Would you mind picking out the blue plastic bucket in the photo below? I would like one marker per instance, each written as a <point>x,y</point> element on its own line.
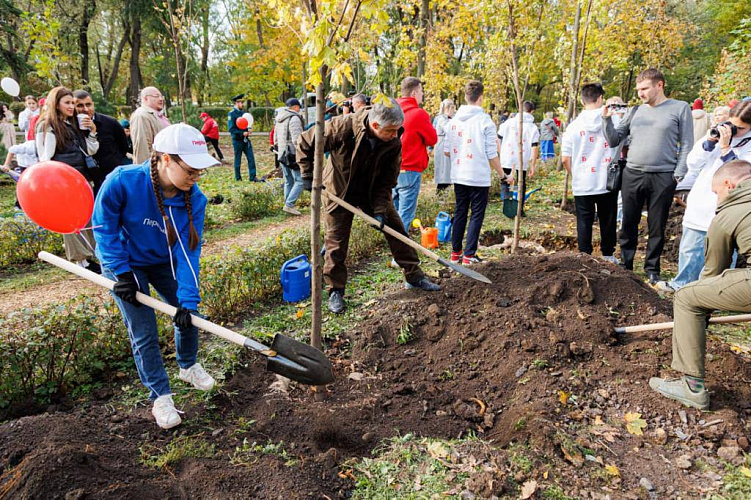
<point>295,277</point>
<point>443,224</point>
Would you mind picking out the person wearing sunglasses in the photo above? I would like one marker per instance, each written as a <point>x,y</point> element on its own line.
<point>148,224</point>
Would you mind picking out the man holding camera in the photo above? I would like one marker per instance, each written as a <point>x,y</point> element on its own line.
<point>659,128</point>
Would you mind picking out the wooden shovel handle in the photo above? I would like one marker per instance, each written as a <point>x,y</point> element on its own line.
<point>156,304</point>
<point>386,229</point>
<point>739,318</point>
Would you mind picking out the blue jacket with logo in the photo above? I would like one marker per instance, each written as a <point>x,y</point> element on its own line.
<point>130,232</point>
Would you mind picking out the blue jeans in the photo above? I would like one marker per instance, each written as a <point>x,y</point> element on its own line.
<point>405,196</point>
<point>690,257</point>
<point>241,147</point>
<point>142,329</point>
<point>292,185</point>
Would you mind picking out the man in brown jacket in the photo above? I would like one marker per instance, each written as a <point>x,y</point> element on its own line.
<point>146,122</point>
<point>362,169</point>
<point>719,288</point>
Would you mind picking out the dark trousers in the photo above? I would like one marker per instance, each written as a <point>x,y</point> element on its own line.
<point>468,197</point>
<point>606,205</point>
<point>656,189</point>
<point>506,189</point>
<point>241,147</point>
<point>215,143</point>
<point>338,229</point>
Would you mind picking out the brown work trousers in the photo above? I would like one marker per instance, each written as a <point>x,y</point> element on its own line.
<point>730,291</point>
<point>338,229</point>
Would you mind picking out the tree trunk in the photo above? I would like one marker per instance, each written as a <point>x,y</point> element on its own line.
<point>305,93</point>
<point>205,41</point>
<point>315,215</point>
<point>89,10</point>
<point>135,54</point>
<point>112,75</point>
<point>179,59</point>
<point>571,106</point>
<point>424,24</point>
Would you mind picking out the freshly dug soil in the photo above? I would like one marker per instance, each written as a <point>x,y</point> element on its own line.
<point>529,359</point>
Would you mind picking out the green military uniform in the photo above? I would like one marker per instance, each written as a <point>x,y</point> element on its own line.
<point>719,288</point>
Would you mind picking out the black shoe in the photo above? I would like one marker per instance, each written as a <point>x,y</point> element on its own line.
<point>94,266</point>
<point>653,278</point>
<point>336,301</point>
<point>423,284</point>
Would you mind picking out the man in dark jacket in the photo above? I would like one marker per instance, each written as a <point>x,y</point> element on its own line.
<point>365,154</point>
<point>241,144</point>
<point>113,146</point>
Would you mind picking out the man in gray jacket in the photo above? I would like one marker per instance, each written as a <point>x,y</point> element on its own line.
<point>289,126</point>
<point>661,131</point>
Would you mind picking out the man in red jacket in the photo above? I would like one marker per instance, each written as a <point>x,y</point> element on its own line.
<point>210,131</point>
<point>418,135</point>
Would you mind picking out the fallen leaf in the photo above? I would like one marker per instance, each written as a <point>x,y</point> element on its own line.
<point>573,456</point>
<point>437,450</point>
<point>612,470</point>
<point>635,424</point>
<point>528,489</point>
<point>598,420</point>
<point>356,376</point>
<point>300,313</point>
<point>563,397</point>
<point>745,471</point>
<point>545,475</point>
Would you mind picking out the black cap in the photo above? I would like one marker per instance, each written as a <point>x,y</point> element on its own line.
<point>292,102</point>
<point>238,97</point>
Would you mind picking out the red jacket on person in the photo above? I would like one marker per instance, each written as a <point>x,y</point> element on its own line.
<point>210,129</point>
<point>418,135</point>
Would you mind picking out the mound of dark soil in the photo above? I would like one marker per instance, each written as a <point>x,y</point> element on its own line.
<point>529,359</point>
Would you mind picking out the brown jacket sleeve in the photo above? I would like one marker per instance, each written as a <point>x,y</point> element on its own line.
<point>306,152</point>
<point>142,134</point>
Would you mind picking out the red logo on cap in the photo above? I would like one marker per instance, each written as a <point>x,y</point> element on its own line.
<point>199,143</point>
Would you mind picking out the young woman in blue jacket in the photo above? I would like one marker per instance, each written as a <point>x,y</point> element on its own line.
<point>148,222</point>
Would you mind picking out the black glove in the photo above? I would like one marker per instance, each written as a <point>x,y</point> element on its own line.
<point>182,318</point>
<point>126,288</point>
<point>307,184</point>
<point>381,221</point>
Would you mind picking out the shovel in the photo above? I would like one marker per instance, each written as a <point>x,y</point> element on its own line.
<point>739,318</point>
<point>399,236</point>
<point>287,357</point>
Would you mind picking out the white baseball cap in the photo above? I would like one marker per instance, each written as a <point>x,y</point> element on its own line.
<point>187,142</point>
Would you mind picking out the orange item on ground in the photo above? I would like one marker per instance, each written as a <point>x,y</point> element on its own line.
<point>429,238</point>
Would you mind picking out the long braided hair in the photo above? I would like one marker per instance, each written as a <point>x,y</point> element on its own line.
<point>171,235</point>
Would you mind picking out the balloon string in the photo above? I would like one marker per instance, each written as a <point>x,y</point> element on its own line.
<point>89,228</point>
<point>83,238</point>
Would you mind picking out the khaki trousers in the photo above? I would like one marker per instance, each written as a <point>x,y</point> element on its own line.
<point>80,246</point>
<point>338,229</point>
<point>730,291</point>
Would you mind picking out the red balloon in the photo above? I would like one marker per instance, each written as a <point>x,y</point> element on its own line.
<point>56,196</point>
<point>242,123</point>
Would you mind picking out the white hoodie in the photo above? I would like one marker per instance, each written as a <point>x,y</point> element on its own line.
<point>509,132</point>
<point>590,153</point>
<point>470,140</point>
<point>701,203</point>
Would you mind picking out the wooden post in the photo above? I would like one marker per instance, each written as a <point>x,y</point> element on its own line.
<point>315,217</point>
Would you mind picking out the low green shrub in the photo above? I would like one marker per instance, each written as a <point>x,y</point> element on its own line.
<point>21,240</point>
<point>50,349</point>
<point>258,200</point>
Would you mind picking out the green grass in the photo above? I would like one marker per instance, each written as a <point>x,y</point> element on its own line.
<point>7,196</point>
<point>176,450</point>
<point>24,277</point>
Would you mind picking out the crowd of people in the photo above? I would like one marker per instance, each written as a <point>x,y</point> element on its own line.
<point>147,224</point>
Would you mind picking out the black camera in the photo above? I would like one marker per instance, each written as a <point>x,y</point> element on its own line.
<point>617,107</point>
<point>715,134</point>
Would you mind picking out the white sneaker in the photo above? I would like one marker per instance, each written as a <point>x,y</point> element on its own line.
<point>611,258</point>
<point>664,286</point>
<point>165,413</point>
<point>291,210</point>
<point>197,376</point>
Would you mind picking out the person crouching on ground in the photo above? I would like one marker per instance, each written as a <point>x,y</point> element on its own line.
<point>149,224</point>
<point>363,166</point>
<point>720,288</point>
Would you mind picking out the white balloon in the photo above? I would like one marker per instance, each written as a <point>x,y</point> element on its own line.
<point>249,117</point>
<point>10,86</point>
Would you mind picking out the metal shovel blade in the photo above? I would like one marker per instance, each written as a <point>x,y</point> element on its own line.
<point>300,362</point>
<point>469,273</point>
